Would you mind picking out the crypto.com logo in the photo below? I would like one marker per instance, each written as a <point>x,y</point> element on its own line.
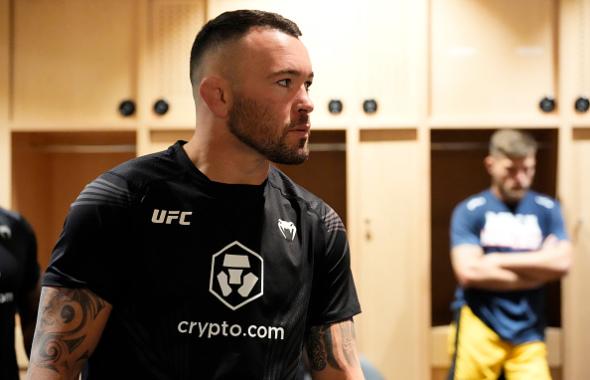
<point>236,275</point>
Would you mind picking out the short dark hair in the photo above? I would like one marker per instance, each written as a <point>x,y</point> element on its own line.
<point>512,143</point>
<point>233,25</point>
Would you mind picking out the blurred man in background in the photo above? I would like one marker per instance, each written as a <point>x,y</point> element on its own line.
<point>507,242</point>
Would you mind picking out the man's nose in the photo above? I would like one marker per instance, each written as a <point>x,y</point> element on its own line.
<point>521,177</point>
<point>304,102</point>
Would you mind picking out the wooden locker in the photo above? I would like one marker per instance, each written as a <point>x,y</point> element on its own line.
<point>391,271</point>
<point>491,60</point>
<point>74,63</point>
<point>50,169</point>
<point>171,27</point>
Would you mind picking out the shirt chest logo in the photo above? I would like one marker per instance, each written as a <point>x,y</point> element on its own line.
<point>237,275</point>
<point>5,232</point>
<point>171,217</point>
<point>288,229</point>
<point>504,229</point>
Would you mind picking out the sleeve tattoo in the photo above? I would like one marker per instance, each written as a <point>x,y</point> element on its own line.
<point>61,327</point>
<point>333,345</point>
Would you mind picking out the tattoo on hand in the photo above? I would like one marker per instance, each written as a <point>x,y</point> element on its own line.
<point>69,310</point>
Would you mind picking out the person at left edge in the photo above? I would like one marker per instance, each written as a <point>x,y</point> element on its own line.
<point>204,261</point>
<point>19,288</point>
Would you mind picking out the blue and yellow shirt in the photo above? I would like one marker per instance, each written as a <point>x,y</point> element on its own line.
<point>484,220</point>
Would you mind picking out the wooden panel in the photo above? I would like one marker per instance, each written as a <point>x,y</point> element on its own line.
<point>161,140</point>
<point>74,61</point>
<point>50,170</point>
<point>390,60</point>
<point>4,103</point>
<point>172,28</point>
<point>577,317</point>
<point>4,61</point>
<point>574,44</point>
<point>497,59</point>
<point>389,274</point>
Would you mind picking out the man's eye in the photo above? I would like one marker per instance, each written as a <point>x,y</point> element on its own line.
<point>284,83</point>
<point>308,85</point>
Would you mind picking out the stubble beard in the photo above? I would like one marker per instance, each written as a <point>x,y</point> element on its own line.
<point>251,123</point>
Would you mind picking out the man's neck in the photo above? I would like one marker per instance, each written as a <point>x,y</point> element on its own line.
<point>226,161</point>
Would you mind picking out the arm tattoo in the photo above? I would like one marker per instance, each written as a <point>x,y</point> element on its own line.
<point>322,346</point>
<point>61,325</point>
<point>348,342</point>
<point>319,348</point>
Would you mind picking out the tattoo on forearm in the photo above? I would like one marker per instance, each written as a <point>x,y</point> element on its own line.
<point>315,350</point>
<point>321,347</point>
<point>69,311</point>
<point>348,343</point>
<point>329,344</point>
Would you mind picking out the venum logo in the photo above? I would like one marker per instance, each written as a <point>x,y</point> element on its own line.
<point>5,232</point>
<point>236,275</point>
<point>164,216</point>
<point>288,229</point>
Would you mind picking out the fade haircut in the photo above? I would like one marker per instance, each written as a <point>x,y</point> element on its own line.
<point>230,26</point>
<point>512,143</point>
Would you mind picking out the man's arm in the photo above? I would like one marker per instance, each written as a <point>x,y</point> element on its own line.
<point>476,270</point>
<point>332,353</point>
<point>550,263</point>
<point>27,311</point>
<point>69,326</point>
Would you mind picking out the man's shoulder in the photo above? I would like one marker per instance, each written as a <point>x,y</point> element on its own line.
<point>126,183</point>
<point>9,216</point>
<point>148,168</point>
<point>290,190</point>
<point>474,203</point>
<point>543,200</point>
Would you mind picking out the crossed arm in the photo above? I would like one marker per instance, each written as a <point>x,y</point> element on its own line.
<point>69,326</point>
<point>331,351</point>
<point>514,271</point>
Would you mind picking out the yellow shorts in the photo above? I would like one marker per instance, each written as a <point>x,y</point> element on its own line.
<point>478,353</point>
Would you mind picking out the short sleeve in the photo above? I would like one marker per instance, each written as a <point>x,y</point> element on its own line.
<point>93,247</point>
<point>334,296</point>
<point>464,228</point>
<point>557,225</point>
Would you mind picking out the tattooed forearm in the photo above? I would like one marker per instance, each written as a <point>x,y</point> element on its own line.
<point>320,348</point>
<point>333,345</point>
<point>62,328</point>
<point>348,343</point>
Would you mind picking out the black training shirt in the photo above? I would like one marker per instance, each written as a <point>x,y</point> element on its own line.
<point>207,280</point>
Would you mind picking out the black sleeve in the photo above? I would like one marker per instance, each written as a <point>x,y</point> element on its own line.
<point>334,296</point>
<point>93,248</point>
<point>31,270</point>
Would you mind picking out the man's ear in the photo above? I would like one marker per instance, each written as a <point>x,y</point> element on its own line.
<point>488,161</point>
<point>215,92</point>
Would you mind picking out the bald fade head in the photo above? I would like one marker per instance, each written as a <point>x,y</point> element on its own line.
<point>229,27</point>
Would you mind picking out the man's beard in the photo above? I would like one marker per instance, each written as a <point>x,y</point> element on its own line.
<point>253,125</point>
<point>513,196</point>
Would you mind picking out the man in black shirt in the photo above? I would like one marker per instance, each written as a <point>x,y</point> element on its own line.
<point>204,261</point>
<point>19,287</point>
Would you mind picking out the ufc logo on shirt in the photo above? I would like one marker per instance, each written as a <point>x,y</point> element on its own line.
<point>168,217</point>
